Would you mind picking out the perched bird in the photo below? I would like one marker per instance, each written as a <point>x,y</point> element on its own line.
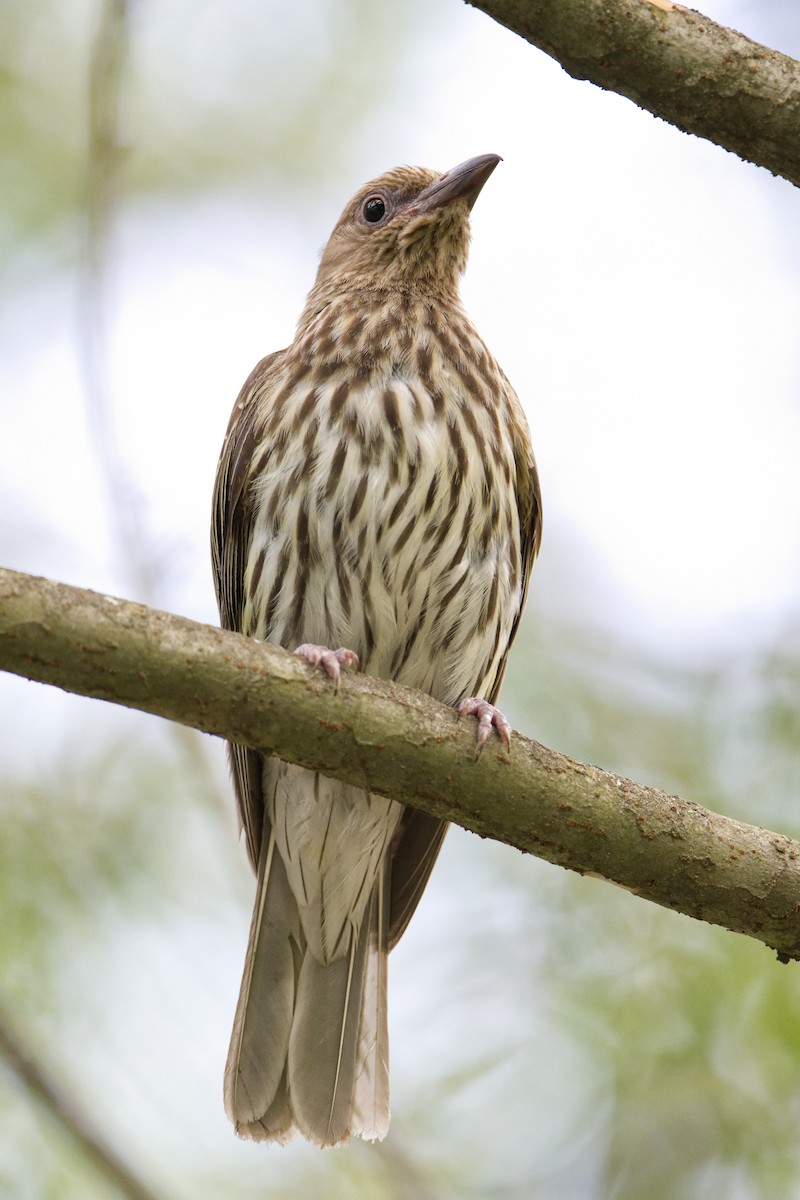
<point>377,492</point>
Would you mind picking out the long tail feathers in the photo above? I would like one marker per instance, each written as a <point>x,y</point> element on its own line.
<point>371,1094</point>
<point>309,1049</point>
<point>255,1091</point>
<point>323,1045</point>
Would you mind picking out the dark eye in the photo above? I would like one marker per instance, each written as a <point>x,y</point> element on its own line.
<point>374,209</point>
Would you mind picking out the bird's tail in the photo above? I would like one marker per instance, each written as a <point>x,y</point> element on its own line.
<point>310,1045</point>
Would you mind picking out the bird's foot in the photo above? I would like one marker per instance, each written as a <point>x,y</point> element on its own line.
<point>489,718</point>
<point>331,661</point>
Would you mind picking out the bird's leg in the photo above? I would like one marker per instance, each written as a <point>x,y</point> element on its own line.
<point>489,717</point>
<point>331,661</point>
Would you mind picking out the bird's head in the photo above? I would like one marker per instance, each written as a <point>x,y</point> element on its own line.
<point>408,228</point>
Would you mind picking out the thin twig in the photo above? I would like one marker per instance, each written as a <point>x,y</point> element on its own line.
<point>105,158</point>
<point>132,542</point>
<point>63,1109</point>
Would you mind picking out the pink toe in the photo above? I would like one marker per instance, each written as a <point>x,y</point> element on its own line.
<point>489,718</point>
<point>331,661</point>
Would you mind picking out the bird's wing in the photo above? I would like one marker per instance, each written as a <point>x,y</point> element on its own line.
<point>417,843</point>
<point>231,532</point>
<point>529,505</point>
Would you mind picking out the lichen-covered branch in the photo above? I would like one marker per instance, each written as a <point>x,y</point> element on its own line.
<point>405,745</point>
<point>678,64</point>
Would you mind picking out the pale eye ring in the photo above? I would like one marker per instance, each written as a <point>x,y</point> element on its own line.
<point>374,209</point>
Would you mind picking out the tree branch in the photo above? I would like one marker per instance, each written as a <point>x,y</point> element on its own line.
<point>403,744</point>
<point>676,63</point>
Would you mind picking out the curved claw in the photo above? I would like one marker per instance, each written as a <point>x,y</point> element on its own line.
<point>332,661</point>
<point>489,718</point>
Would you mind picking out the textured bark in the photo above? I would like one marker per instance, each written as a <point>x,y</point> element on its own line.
<point>405,745</point>
<point>673,61</point>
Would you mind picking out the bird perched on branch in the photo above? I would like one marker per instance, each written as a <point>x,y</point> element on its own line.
<point>376,492</point>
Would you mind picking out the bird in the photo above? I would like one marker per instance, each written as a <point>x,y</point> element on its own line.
<point>376,504</point>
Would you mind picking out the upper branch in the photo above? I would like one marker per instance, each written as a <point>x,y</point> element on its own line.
<point>403,744</point>
<point>676,63</point>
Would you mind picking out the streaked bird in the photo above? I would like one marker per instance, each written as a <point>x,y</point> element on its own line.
<point>376,492</point>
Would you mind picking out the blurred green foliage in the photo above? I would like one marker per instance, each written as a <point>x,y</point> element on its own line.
<point>212,95</point>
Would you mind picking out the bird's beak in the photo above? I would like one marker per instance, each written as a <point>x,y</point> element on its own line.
<point>464,182</point>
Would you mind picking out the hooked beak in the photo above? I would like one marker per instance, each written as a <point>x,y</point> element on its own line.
<point>463,182</point>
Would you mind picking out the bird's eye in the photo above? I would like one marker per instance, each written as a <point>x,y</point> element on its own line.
<point>374,209</point>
